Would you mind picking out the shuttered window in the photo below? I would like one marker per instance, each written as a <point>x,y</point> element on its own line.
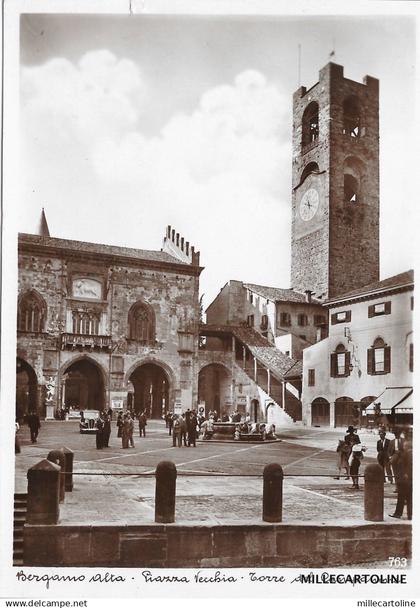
<point>379,358</point>
<point>311,377</point>
<point>383,308</point>
<point>341,317</point>
<point>285,319</point>
<point>340,362</point>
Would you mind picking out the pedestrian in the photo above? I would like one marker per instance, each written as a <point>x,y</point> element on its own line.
<point>142,424</point>
<point>130,430</point>
<point>17,444</point>
<point>107,429</point>
<point>176,435</point>
<point>384,449</point>
<point>34,425</point>
<point>192,430</point>
<point>99,426</point>
<point>343,451</point>
<point>405,482</point>
<point>183,430</point>
<point>119,424</point>
<point>170,422</point>
<point>356,458</point>
<point>125,431</point>
<point>110,413</point>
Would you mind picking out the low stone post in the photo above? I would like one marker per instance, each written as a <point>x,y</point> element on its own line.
<point>165,492</point>
<point>68,468</point>
<point>374,493</point>
<point>57,456</point>
<point>273,493</point>
<point>43,493</point>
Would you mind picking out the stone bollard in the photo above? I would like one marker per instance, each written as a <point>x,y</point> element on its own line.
<point>273,493</point>
<point>165,492</point>
<point>374,493</point>
<point>57,456</point>
<point>68,467</point>
<point>43,493</point>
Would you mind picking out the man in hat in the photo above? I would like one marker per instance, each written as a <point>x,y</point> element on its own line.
<point>384,448</point>
<point>351,437</point>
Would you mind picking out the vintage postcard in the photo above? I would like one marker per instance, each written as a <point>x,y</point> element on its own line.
<point>208,301</point>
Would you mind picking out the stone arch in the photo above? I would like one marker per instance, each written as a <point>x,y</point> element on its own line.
<point>83,384</point>
<point>346,412</point>
<point>153,389</point>
<point>26,388</point>
<point>320,412</point>
<point>352,116</point>
<point>310,124</point>
<point>153,360</point>
<point>311,167</point>
<point>214,379</point>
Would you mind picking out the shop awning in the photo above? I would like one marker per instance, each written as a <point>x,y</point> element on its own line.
<point>394,399</point>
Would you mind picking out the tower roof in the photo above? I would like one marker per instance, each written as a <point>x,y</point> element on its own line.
<point>43,229</point>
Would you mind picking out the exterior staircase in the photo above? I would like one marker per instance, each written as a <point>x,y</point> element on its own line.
<point>19,518</point>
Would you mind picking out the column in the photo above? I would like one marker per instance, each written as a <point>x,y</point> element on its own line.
<point>255,370</point>
<point>243,358</point>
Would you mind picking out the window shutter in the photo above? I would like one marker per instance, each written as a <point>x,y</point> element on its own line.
<point>333,365</point>
<point>371,311</point>
<point>387,308</point>
<point>334,319</point>
<point>387,359</point>
<point>370,360</point>
<point>411,363</point>
<point>348,316</point>
<point>347,364</point>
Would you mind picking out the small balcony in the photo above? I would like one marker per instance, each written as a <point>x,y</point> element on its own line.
<point>83,341</point>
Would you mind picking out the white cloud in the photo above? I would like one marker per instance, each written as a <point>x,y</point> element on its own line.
<point>219,173</point>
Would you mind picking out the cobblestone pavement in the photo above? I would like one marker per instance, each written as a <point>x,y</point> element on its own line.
<point>308,458</point>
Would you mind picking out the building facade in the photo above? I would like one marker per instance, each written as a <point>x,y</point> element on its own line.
<point>369,350</point>
<point>102,326</point>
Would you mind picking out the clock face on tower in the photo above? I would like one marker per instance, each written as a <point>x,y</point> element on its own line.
<point>309,204</point>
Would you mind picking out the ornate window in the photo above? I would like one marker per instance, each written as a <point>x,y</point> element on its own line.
<point>86,322</point>
<point>31,312</point>
<point>379,358</point>
<point>310,124</point>
<point>141,323</point>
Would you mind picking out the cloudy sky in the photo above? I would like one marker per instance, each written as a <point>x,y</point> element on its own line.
<point>132,123</point>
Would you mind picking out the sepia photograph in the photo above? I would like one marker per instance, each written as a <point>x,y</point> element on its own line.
<point>207,310</point>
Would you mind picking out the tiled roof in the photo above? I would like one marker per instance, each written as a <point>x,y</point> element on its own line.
<point>276,294</point>
<point>280,364</point>
<point>398,280</point>
<point>98,248</point>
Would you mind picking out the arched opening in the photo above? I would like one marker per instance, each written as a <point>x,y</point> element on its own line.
<point>83,386</point>
<point>255,408</point>
<point>351,117</point>
<point>320,412</point>
<point>26,389</point>
<point>31,312</point>
<point>141,323</point>
<point>310,124</point>
<point>214,386</point>
<point>346,412</point>
<point>310,168</point>
<point>351,189</point>
<point>151,390</point>
<point>354,171</point>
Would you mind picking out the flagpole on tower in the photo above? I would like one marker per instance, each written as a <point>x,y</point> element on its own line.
<point>332,53</point>
<point>299,62</point>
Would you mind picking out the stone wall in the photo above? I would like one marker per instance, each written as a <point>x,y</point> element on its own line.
<point>207,546</point>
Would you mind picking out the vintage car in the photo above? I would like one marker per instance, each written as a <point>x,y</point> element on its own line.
<point>87,422</point>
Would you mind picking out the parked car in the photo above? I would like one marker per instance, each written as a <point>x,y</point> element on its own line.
<point>87,422</point>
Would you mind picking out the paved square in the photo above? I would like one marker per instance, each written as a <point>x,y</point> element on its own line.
<point>216,482</point>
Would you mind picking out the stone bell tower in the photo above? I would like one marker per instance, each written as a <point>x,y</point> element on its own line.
<point>335,184</point>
